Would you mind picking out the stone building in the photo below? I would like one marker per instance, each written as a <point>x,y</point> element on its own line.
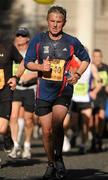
<point>86,19</point>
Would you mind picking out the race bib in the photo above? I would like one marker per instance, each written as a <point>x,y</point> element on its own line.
<point>81,89</point>
<point>104,76</point>
<point>2,79</point>
<point>15,68</point>
<point>57,70</point>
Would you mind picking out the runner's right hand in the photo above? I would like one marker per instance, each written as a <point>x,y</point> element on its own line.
<point>46,64</point>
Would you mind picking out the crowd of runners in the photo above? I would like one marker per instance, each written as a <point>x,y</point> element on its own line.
<point>50,83</point>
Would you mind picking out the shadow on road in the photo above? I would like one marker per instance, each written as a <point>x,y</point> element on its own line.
<point>76,174</point>
<point>90,174</point>
<point>2,178</point>
<point>21,163</point>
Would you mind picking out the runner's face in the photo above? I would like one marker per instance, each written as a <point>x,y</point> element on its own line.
<point>97,58</point>
<point>21,43</point>
<point>55,23</point>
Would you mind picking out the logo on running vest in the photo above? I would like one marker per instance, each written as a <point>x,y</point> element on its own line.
<point>64,49</point>
<point>46,49</point>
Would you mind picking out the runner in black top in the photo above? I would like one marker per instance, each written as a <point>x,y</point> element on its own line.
<point>100,101</point>
<point>8,54</point>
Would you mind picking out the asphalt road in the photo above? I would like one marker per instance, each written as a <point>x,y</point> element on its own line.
<point>79,167</point>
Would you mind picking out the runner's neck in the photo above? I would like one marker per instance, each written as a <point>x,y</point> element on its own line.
<point>55,38</point>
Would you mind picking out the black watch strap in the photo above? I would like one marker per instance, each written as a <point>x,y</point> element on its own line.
<point>17,78</point>
<point>79,75</point>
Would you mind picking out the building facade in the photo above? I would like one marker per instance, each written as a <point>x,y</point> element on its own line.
<point>86,19</point>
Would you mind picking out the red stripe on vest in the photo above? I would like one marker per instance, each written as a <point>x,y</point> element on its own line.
<point>66,69</point>
<point>38,85</point>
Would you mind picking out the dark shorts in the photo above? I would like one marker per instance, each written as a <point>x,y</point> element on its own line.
<point>79,106</point>
<point>26,97</point>
<point>45,107</point>
<point>99,103</point>
<point>5,102</point>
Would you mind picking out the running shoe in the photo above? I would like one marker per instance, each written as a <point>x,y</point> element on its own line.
<point>50,171</point>
<point>60,169</point>
<point>82,150</point>
<point>8,143</point>
<point>15,153</point>
<point>26,153</point>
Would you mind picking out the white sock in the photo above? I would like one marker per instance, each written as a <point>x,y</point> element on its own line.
<point>21,128</point>
<point>16,145</point>
<point>27,144</point>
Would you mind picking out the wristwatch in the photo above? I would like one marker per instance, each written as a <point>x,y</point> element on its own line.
<point>79,75</point>
<point>17,78</point>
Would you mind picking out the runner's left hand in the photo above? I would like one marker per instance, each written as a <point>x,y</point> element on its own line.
<point>73,79</point>
<point>12,83</point>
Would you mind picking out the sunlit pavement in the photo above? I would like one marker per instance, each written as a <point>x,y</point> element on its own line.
<point>79,167</point>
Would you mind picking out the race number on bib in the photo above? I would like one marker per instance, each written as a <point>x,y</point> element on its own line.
<point>15,68</point>
<point>2,79</point>
<point>57,70</point>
